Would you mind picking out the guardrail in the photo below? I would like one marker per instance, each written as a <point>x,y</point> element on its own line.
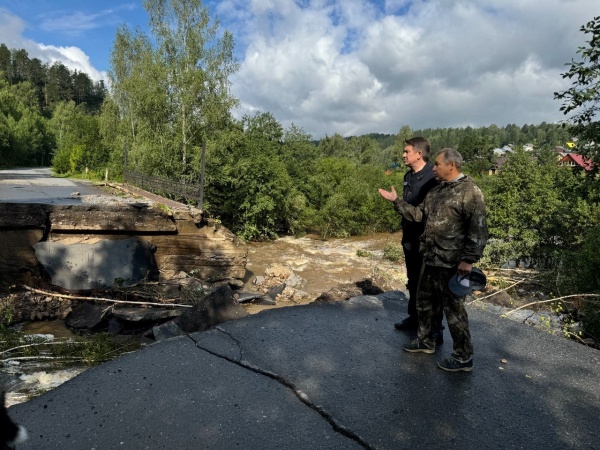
<point>167,188</point>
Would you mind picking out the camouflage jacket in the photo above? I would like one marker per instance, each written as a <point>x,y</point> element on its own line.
<point>455,223</point>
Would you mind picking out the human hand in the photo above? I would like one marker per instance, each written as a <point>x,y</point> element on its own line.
<point>464,268</point>
<point>389,195</point>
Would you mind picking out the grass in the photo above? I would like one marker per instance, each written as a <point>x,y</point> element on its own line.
<point>393,252</point>
<point>89,350</point>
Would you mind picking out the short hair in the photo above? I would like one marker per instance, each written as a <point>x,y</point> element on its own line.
<point>420,144</point>
<point>452,156</point>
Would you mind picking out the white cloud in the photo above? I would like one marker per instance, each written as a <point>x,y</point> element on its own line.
<point>344,66</point>
<point>11,28</point>
<point>361,66</point>
<point>75,23</point>
<point>11,34</point>
<point>72,57</point>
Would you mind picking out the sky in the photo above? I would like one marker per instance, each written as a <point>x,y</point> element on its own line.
<point>351,67</point>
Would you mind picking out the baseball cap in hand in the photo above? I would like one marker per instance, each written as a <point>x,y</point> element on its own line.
<point>462,285</point>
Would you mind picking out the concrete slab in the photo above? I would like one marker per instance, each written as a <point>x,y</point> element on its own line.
<point>328,376</point>
<point>97,265</point>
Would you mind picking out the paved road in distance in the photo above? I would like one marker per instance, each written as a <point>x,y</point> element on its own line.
<point>37,185</point>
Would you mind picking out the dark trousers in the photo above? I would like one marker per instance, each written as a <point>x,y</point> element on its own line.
<point>414,264</point>
<point>434,294</point>
<point>413,260</point>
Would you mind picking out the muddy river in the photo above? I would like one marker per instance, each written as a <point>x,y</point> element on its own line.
<point>324,264</point>
<point>321,264</point>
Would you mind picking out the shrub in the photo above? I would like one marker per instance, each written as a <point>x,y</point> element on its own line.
<point>578,274</point>
<point>393,252</point>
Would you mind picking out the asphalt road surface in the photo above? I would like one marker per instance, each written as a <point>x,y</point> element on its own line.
<point>37,185</point>
<point>328,376</point>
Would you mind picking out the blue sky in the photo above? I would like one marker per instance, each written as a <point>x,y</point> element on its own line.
<point>351,66</point>
<point>89,26</point>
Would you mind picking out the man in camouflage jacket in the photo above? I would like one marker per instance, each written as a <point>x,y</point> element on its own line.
<point>454,238</point>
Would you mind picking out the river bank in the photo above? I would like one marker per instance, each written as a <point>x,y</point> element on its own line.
<point>318,266</point>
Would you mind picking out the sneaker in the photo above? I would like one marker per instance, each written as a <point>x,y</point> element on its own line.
<point>417,346</point>
<point>408,324</point>
<point>453,365</point>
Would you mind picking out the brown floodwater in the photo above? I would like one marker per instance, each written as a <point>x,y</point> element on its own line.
<point>55,327</point>
<point>325,263</point>
<point>322,263</point>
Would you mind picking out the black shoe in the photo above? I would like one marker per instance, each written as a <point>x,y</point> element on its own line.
<point>408,324</point>
<point>453,365</point>
<point>417,346</point>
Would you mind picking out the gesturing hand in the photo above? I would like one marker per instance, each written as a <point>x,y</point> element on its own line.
<point>389,195</point>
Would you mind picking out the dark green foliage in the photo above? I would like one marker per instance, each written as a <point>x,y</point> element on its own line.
<point>536,210</point>
<point>30,93</point>
<point>583,97</point>
<point>343,199</point>
<point>476,144</point>
<point>23,136</point>
<point>51,83</point>
<point>578,274</point>
<point>77,137</point>
<point>393,252</point>
<point>248,187</point>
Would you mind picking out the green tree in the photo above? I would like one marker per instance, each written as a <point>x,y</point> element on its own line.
<point>59,87</point>
<point>83,88</point>
<point>335,146</point>
<point>77,137</point>
<point>299,155</point>
<point>522,207</point>
<point>20,65</point>
<point>578,274</point>
<point>363,149</point>
<point>112,131</point>
<point>248,186</point>
<point>583,97</point>
<point>263,126</point>
<point>536,210</point>
<point>173,89</point>
<point>343,199</point>
<point>5,63</point>
<point>23,136</point>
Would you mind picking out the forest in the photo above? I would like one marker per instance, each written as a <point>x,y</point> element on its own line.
<point>170,94</point>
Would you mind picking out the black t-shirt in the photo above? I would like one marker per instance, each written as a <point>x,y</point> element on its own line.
<point>416,187</point>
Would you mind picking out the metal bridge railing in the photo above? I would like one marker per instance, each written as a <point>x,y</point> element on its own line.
<point>171,189</point>
<point>167,188</point>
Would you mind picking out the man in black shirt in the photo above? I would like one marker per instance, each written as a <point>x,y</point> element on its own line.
<point>417,183</point>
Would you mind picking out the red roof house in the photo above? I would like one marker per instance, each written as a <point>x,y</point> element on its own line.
<point>574,160</point>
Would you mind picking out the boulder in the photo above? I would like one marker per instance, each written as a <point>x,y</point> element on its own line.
<point>166,331</point>
<point>217,307</point>
<point>368,286</point>
<point>273,292</point>
<point>253,297</point>
<point>87,316</point>
<point>295,281</point>
<point>145,314</point>
<point>277,270</point>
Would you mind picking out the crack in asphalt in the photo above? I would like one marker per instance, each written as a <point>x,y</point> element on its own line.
<point>337,427</point>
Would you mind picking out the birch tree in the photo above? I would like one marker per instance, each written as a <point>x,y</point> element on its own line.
<point>173,87</point>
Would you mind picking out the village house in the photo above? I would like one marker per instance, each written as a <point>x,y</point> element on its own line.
<point>575,160</point>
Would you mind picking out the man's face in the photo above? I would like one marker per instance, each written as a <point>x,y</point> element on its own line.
<point>442,170</point>
<point>410,156</point>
